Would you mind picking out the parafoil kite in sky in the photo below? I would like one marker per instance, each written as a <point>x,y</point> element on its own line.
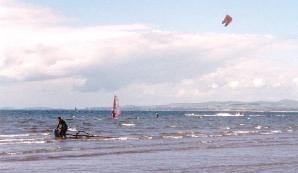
<point>227,20</point>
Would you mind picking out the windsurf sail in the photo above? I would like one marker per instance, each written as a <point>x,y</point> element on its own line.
<point>116,112</point>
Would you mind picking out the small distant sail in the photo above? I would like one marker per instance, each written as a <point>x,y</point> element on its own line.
<point>116,112</point>
<point>227,20</point>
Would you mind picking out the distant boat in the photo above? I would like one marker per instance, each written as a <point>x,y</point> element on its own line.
<point>116,112</point>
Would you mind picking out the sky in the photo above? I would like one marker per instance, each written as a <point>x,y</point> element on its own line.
<point>79,53</point>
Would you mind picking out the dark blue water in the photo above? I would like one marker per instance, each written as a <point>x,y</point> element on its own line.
<point>140,142</point>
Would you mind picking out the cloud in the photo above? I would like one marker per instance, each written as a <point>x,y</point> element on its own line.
<point>258,82</point>
<point>233,84</point>
<point>140,58</point>
<point>14,13</point>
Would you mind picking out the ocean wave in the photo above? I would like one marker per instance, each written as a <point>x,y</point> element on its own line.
<point>14,135</point>
<point>192,115</point>
<point>22,142</point>
<point>229,115</point>
<point>45,134</point>
<point>128,124</point>
<point>197,135</point>
<point>172,137</point>
<point>121,138</point>
<point>223,114</point>
<point>239,132</point>
<point>244,132</point>
<point>147,137</point>
<point>256,115</point>
<point>276,131</point>
<point>270,132</point>
<point>194,136</point>
<point>15,140</point>
<point>282,115</point>
<point>23,135</point>
<point>26,138</point>
<point>175,135</point>
<point>259,127</point>
<point>215,135</point>
<point>124,138</point>
<point>72,129</point>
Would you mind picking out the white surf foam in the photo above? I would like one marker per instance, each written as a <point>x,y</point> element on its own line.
<point>229,115</point>
<point>244,132</point>
<point>21,142</point>
<point>124,138</point>
<point>121,138</point>
<point>223,114</point>
<point>192,115</point>
<point>172,137</point>
<point>128,124</point>
<point>276,131</point>
<point>197,135</point>
<point>258,127</point>
<point>239,132</point>
<point>14,135</point>
<point>72,129</point>
<point>256,115</point>
<point>16,140</point>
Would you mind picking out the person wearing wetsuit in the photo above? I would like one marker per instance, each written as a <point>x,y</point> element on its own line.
<point>62,127</point>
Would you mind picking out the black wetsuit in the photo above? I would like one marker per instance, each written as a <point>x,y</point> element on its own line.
<point>63,128</point>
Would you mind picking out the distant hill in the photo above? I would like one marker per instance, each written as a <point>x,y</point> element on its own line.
<point>283,105</point>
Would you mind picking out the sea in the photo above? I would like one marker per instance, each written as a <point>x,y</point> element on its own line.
<point>141,142</point>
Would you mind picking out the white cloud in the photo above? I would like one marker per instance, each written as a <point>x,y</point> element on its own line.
<point>295,81</point>
<point>15,13</point>
<point>258,82</point>
<point>233,84</point>
<point>214,86</point>
<point>140,60</point>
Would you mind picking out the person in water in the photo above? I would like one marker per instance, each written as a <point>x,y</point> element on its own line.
<point>62,127</point>
<point>157,114</point>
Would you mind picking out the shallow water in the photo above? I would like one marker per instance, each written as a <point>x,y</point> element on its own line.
<point>140,142</point>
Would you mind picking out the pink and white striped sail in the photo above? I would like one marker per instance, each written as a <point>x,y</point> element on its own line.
<point>116,112</point>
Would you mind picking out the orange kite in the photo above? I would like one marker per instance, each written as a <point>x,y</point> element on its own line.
<point>227,20</point>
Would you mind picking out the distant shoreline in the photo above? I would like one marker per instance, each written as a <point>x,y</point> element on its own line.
<point>139,110</point>
<point>228,106</point>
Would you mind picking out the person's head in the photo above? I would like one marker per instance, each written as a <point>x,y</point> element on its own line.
<point>59,118</point>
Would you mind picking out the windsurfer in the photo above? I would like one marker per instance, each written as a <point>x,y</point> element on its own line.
<point>62,127</point>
